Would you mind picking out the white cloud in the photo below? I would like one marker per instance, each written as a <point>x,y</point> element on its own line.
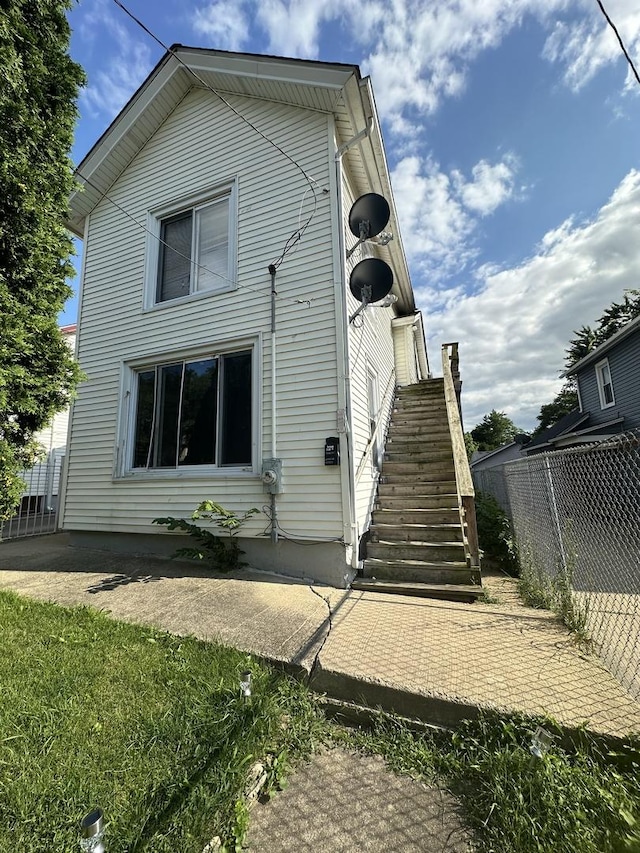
<point>513,331</point>
<point>587,44</point>
<point>108,90</point>
<point>440,212</point>
<point>225,23</point>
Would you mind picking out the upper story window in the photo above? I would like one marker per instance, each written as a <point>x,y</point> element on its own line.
<point>605,386</point>
<point>192,248</point>
<point>193,412</point>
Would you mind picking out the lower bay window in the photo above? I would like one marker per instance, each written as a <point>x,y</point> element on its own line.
<point>193,412</point>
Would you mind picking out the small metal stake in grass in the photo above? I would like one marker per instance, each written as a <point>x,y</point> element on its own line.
<point>245,685</point>
<point>92,832</point>
<point>540,742</point>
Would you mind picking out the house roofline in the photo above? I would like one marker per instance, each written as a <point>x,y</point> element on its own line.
<point>605,346</point>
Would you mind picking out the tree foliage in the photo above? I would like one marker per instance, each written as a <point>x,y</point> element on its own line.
<point>564,402</point>
<point>586,339</point>
<point>494,430</point>
<point>38,88</point>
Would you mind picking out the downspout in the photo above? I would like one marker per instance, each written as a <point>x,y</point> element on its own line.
<point>274,508</point>
<point>345,332</point>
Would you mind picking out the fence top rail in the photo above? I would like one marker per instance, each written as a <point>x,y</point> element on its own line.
<point>631,438</point>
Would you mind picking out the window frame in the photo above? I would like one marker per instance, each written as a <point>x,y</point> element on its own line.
<point>125,450</point>
<point>600,368</point>
<point>156,217</point>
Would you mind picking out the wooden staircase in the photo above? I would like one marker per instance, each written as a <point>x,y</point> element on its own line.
<point>418,537</point>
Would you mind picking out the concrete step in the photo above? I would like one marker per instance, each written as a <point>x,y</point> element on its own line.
<point>416,532</point>
<point>429,552</point>
<point>405,488</point>
<point>466,593</point>
<point>420,515</point>
<point>420,571</point>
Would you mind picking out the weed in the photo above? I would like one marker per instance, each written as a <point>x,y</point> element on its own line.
<point>563,802</point>
<point>494,532</point>
<point>222,553</point>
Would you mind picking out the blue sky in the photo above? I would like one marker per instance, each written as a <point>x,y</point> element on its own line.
<point>511,130</point>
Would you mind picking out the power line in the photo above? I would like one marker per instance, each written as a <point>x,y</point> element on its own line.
<point>152,233</point>
<point>297,235</point>
<point>620,42</point>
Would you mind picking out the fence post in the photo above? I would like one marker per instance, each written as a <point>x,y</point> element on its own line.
<point>554,512</point>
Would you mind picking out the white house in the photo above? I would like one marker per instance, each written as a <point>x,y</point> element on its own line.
<point>214,324</point>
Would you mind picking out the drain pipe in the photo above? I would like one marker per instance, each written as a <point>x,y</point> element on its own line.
<point>274,509</point>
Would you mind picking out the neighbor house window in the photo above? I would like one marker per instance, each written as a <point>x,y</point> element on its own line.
<point>195,248</point>
<point>194,412</point>
<point>605,386</point>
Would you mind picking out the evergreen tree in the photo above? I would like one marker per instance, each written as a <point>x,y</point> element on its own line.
<point>563,403</point>
<point>494,430</point>
<point>38,88</point>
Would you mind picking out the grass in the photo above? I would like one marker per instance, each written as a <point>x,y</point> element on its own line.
<point>585,801</point>
<point>148,726</point>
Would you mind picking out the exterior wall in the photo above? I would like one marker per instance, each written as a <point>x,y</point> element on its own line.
<point>514,451</point>
<point>624,364</point>
<point>201,145</point>
<point>407,372</point>
<point>370,351</point>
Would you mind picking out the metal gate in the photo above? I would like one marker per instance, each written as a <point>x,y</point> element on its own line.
<point>37,512</point>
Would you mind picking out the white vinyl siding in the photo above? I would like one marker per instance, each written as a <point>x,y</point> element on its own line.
<point>370,353</point>
<point>189,154</point>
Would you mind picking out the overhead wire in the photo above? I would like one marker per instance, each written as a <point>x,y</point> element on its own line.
<point>619,37</point>
<point>297,235</point>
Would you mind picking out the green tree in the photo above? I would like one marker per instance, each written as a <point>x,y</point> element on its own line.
<point>586,339</point>
<point>38,89</point>
<point>470,445</point>
<point>563,403</point>
<point>494,430</point>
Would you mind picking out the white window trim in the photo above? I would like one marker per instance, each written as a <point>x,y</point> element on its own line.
<point>154,225</point>
<point>123,469</point>
<point>600,365</point>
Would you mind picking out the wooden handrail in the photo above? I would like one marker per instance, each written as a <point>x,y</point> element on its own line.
<point>464,480</point>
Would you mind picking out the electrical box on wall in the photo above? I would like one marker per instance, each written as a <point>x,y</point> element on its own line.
<point>272,476</point>
<point>332,450</point>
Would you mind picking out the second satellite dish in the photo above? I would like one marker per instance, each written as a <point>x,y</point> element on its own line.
<point>368,215</point>
<point>371,280</point>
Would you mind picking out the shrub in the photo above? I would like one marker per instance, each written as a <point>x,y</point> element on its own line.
<point>494,533</point>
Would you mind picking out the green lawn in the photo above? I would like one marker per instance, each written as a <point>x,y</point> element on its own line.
<point>148,726</point>
<point>151,728</point>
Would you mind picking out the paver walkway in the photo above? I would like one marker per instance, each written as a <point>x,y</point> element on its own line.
<point>351,803</point>
<point>438,661</point>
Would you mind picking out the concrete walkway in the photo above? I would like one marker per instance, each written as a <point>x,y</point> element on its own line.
<point>433,660</point>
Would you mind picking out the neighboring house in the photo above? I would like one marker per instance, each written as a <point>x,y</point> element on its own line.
<point>210,358</point>
<point>43,480</point>
<point>608,383</point>
<point>483,459</point>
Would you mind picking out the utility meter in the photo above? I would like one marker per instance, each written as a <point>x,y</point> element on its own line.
<point>272,476</point>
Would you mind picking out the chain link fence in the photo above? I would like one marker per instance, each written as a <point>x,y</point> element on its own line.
<point>575,515</point>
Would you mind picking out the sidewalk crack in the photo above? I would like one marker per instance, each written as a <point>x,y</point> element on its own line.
<point>316,658</point>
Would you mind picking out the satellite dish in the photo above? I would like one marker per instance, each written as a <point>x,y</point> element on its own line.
<point>368,215</point>
<point>371,280</point>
